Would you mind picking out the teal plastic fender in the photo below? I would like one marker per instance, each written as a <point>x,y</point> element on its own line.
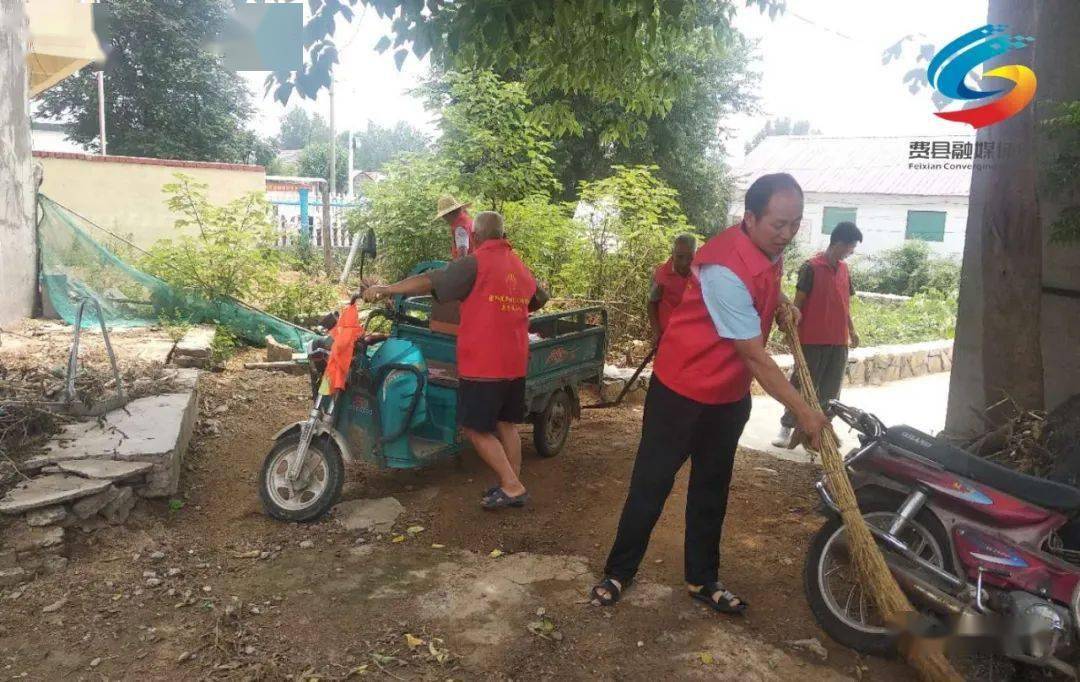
<point>401,372</point>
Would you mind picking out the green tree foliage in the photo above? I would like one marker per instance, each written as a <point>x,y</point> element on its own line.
<point>499,151</point>
<point>781,126</point>
<point>400,209</point>
<point>377,145</point>
<point>227,251</point>
<point>314,161</point>
<point>906,271</point>
<point>684,142</point>
<point>299,129</point>
<point>598,48</point>
<point>166,95</point>
<point>631,220</point>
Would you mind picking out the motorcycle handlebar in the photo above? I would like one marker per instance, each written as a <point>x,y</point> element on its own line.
<point>861,421</point>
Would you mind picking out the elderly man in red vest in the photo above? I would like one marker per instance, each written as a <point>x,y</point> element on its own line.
<point>669,283</point>
<point>699,396</point>
<point>497,293</point>
<point>823,295</point>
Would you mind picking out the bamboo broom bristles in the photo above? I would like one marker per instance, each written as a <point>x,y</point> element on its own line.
<point>870,567</point>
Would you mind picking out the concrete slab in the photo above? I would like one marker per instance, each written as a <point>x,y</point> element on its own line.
<point>104,468</point>
<point>156,429</point>
<point>919,402</point>
<point>45,491</point>
<point>193,350</point>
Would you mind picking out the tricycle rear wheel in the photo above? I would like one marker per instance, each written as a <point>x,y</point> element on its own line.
<point>317,487</point>
<point>551,428</point>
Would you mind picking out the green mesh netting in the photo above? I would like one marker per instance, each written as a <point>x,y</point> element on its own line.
<point>75,266</point>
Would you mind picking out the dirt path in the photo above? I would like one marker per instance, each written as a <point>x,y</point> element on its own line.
<point>217,590</point>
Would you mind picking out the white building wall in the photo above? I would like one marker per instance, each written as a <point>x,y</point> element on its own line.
<point>882,218</point>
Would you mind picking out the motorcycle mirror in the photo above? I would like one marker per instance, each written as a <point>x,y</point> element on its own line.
<point>367,246</point>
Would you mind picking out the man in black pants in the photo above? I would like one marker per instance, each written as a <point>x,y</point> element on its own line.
<point>699,397</point>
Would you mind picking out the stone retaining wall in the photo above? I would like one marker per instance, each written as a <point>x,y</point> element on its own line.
<point>878,364</point>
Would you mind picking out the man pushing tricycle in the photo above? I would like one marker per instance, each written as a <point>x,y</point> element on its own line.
<point>404,400</point>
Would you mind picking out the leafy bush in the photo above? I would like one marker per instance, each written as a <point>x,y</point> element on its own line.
<point>546,237</point>
<point>631,220</point>
<point>222,346</point>
<point>400,210</point>
<point>926,317</point>
<point>232,255</point>
<point>906,270</point>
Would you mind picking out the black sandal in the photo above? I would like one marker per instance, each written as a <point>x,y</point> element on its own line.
<point>498,499</point>
<point>727,603</point>
<point>614,592</point>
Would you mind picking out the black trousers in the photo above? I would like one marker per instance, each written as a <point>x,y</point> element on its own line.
<point>673,429</point>
<point>827,365</point>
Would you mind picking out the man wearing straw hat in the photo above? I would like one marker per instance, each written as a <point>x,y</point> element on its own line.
<point>462,238</point>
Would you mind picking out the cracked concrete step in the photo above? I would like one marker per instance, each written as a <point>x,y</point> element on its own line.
<point>105,468</point>
<point>193,350</point>
<point>46,491</point>
<point>155,429</point>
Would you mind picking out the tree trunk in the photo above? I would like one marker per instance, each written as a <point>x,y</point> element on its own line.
<point>998,331</point>
<point>1057,66</point>
<point>17,248</point>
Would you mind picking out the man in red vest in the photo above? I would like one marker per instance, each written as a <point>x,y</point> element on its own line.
<point>699,396</point>
<point>669,283</point>
<point>462,233</point>
<point>497,293</point>
<point>823,295</point>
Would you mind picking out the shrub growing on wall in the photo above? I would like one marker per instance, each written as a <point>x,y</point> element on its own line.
<point>230,253</point>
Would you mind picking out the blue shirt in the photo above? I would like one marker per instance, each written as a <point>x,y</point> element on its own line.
<point>729,303</point>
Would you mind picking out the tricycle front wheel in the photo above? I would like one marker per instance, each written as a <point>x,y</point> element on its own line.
<point>551,427</point>
<point>315,489</point>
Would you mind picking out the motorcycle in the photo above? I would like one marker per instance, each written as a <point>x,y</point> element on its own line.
<point>987,555</point>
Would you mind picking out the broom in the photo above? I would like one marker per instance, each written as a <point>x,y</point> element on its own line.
<point>875,577</point>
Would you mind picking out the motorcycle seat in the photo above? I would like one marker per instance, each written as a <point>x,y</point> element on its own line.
<point>1040,491</point>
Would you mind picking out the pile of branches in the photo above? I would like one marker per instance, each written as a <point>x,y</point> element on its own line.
<point>1032,441</point>
<point>32,395</point>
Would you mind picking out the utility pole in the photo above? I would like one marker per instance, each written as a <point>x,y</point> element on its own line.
<point>328,254</point>
<point>349,190</point>
<point>101,108</point>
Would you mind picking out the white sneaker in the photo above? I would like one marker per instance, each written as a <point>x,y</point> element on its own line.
<point>783,439</point>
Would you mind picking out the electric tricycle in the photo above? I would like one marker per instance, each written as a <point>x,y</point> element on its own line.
<point>398,409</point>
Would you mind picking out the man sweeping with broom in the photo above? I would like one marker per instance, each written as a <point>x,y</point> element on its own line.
<point>699,397</point>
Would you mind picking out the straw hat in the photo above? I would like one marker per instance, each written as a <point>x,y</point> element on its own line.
<point>448,204</point>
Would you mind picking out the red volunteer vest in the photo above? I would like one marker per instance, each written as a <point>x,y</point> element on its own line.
<point>825,311</point>
<point>493,339</point>
<point>464,221</point>
<point>672,287</point>
<point>693,360</point>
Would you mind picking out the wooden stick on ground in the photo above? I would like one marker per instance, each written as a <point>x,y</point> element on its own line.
<point>870,567</point>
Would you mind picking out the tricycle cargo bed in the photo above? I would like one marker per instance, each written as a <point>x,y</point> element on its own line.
<point>565,348</point>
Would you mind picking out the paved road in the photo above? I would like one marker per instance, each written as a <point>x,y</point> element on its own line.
<point>918,402</point>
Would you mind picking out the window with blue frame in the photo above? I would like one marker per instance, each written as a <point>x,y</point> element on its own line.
<point>928,226</point>
<point>834,215</point>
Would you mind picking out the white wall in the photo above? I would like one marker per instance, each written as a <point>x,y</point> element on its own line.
<point>882,218</point>
<point>16,183</point>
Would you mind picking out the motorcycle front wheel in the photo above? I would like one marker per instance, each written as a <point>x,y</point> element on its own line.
<point>839,604</point>
<point>315,489</point>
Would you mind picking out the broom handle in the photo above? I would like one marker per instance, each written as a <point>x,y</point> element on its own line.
<point>874,575</point>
